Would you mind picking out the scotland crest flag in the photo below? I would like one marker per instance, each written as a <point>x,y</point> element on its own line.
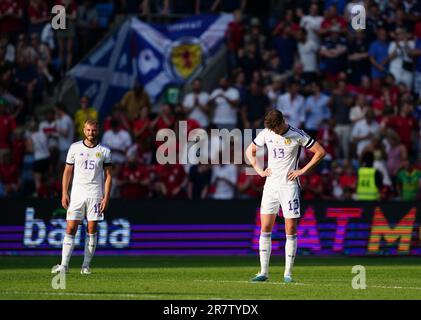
<point>152,54</point>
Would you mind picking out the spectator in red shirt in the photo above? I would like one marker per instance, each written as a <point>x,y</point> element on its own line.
<point>317,186</point>
<point>348,181</point>
<point>417,29</point>
<point>390,84</point>
<point>365,88</point>
<point>7,125</point>
<point>10,175</point>
<point>388,98</point>
<point>174,179</point>
<point>328,139</point>
<point>133,180</point>
<point>157,186</point>
<point>119,114</point>
<point>19,146</point>
<point>405,125</point>
<point>312,186</point>
<point>235,32</point>
<point>141,125</point>
<point>142,151</point>
<point>327,185</point>
<point>11,17</point>
<point>50,187</point>
<point>249,186</point>
<point>234,35</point>
<point>164,120</point>
<point>180,115</point>
<point>333,19</point>
<point>39,15</point>
<point>288,25</point>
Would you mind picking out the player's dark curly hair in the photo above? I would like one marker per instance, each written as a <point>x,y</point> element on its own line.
<point>274,120</point>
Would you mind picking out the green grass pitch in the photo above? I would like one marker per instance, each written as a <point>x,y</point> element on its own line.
<point>210,278</point>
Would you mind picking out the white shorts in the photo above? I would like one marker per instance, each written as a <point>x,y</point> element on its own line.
<point>288,198</point>
<point>81,207</point>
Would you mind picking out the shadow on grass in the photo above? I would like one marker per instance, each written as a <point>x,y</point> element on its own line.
<point>10,262</point>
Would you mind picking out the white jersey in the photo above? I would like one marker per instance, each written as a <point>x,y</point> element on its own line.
<point>40,145</point>
<point>197,114</point>
<point>283,153</point>
<point>88,173</point>
<point>224,113</point>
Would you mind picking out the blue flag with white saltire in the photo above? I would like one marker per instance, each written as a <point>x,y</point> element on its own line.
<point>154,55</point>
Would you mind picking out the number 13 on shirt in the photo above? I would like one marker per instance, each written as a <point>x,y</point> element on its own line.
<point>278,153</point>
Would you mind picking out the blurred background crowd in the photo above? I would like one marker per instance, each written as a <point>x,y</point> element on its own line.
<point>357,92</point>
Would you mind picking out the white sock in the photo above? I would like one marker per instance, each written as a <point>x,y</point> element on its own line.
<point>290,251</point>
<point>68,245</point>
<point>265,247</point>
<point>90,245</point>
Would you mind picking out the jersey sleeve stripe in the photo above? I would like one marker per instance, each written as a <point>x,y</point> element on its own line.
<point>254,141</point>
<point>297,131</point>
<point>310,143</point>
<point>70,164</point>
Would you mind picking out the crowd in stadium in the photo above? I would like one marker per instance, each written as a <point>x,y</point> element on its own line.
<point>357,92</point>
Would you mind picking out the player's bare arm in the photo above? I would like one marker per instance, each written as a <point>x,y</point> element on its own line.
<point>107,188</point>
<point>251,156</point>
<point>319,154</point>
<point>67,176</point>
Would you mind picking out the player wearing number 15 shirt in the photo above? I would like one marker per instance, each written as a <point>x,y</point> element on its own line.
<point>90,164</point>
<point>282,188</point>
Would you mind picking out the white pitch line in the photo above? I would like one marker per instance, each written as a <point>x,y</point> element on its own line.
<point>134,295</point>
<point>84,294</point>
<point>306,284</point>
<point>396,287</point>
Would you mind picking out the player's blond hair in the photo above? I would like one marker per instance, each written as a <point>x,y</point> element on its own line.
<point>91,122</point>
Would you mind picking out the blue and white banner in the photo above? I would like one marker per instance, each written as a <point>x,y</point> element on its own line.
<point>154,55</point>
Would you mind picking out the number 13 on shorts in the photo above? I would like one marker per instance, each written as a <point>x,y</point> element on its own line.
<point>97,207</point>
<point>293,204</point>
<point>293,209</point>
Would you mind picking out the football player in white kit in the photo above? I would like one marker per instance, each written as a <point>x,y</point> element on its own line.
<point>282,186</point>
<point>90,164</point>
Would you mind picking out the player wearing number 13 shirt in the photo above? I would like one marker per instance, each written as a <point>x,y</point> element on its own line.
<point>282,188</point>
<point>90,164</point>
